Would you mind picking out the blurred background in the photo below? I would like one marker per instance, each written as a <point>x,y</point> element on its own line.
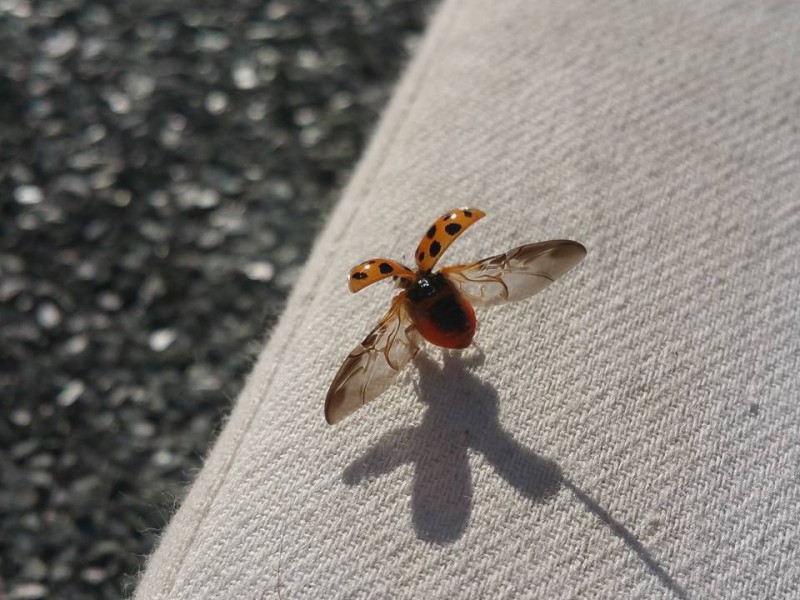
<point>164,168</point>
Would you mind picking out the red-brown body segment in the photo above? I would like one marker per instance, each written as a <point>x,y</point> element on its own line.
<point>440,313</point>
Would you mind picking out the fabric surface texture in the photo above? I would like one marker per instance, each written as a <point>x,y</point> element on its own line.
<point>630,432</point>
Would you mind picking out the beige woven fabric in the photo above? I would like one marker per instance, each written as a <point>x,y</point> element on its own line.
<point>634,430</point>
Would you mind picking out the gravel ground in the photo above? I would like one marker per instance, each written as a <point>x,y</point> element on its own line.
<point>164,167</point>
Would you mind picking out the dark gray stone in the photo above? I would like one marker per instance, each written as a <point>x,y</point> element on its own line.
<point>164,168</point>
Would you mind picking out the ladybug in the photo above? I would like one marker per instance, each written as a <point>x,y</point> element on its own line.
<point>438,306</point>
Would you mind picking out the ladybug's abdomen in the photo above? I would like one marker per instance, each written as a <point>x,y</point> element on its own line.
<point>441,314</point>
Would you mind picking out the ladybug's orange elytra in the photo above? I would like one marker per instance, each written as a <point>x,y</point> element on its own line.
<point>443,233</point>
<point>376,269</point>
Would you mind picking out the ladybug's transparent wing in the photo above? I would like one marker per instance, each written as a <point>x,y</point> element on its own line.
<point>517,274</point>
<point>373,365</point>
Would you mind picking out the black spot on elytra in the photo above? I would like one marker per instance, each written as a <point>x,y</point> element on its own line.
<point>359,275</point>
<point>435,248</point>
<point>385,268</point>
<point>452,228</point>
<point>467,213</point>
<point>421,256</point>
<point>431,232</point>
